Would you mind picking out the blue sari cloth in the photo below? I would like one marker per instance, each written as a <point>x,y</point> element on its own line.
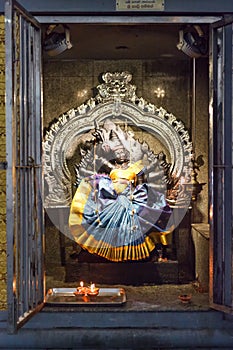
<point>112,218</point>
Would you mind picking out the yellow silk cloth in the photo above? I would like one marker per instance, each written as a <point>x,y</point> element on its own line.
<point>78,203</point>
<point>119,176</point>
<point>110,252</point>
<point>129,174</point>
<point>160,237</point>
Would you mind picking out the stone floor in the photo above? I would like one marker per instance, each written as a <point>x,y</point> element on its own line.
<point>164,297</point>
<point>153,297</point>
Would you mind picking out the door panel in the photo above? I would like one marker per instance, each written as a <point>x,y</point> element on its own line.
<point>221,167</point>
<point>24,151</point>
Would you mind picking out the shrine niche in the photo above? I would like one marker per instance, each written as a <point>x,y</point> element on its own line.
<point>114,130</point>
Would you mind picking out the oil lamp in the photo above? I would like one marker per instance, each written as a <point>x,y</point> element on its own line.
<point>93,290</point>
<point>82,290</point>
<point>185,298</point>
<point>193,186</point>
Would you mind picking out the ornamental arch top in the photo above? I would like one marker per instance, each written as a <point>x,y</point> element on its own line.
<point>116,100</point>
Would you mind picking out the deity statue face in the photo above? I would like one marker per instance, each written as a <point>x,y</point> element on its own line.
<point>121,155</point>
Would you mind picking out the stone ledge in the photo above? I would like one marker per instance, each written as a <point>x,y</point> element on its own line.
<point>116,331</point>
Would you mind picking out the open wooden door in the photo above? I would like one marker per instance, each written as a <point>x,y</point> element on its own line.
<point>221,187</point>
<point>24,152</point>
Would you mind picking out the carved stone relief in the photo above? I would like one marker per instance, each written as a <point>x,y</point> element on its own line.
<point>116,100</point>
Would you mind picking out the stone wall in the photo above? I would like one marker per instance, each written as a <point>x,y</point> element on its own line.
<point>2,172</point>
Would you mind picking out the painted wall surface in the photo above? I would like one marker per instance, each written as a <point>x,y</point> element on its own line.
<point>2,172</point>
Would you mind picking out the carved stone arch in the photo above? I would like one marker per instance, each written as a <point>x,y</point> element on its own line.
<point>116,99</point>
